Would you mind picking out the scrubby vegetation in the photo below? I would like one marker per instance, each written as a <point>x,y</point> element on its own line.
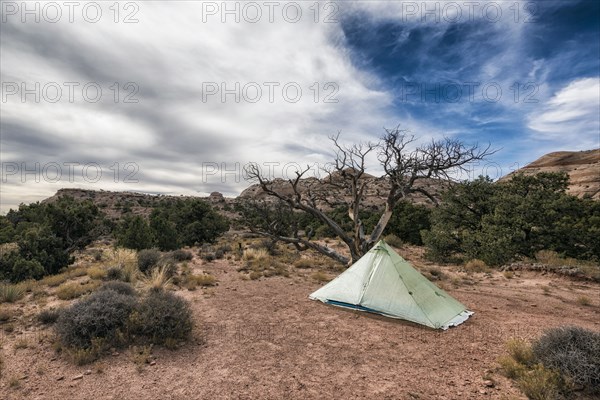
<point>40,239</point>
<point>46,235</point>
<point>497,222</point>
<point>174,223</point>
<point>561,361</point>
<point>115,316</point>
<point>162,318</point>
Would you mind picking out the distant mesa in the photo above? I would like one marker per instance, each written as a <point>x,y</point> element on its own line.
<point>583,168</point>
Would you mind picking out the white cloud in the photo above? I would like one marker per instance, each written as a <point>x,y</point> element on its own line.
<point>170,54</point>
<point>571,117</point>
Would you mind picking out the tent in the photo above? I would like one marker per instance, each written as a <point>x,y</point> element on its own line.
<point>383,282</point>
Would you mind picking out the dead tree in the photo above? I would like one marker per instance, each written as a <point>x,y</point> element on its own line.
<point>404,166</point>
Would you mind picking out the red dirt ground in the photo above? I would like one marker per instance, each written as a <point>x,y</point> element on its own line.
<point>264,339</point>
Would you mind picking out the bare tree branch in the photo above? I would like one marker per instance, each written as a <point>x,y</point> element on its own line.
<point>405,164</point>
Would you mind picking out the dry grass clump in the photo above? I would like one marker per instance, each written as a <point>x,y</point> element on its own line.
<point>320,277</point>
<point>75,271</point>
<point>55,280</point>
<point>5,314</point>
<point>254,275</point>
<point>159,278</point>
<point>49,316</point>
<point>520,351</point>
<point>96,273</point>
<point>192,281</point>
<point>10,293</point>
<point>141,355</point>
<point>252,254</point>
<point>476,265</point>
<point>126,261</point>
<point>260,263</point>
<point>584,300</point>
<point>73,290</point>
<point>554,259</point>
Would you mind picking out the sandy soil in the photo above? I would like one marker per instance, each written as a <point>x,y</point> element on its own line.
<point>265,339</point>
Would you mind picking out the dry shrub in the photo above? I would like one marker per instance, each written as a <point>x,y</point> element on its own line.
<point>147,259</point>
<point>573,351</point>
<point>552,258</point>
<point>103,315</point>
<point>5,314</point>
<point>476,265</point>
<point>303,263</point>
<point>436,274</point>
<point>181,255</point>
<point>162,317</point>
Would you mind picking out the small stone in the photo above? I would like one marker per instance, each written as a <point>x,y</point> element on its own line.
<point>76,378</point>
<point>533,305</point>
<point>116,353</point>
<point>482,391</point>
<point>488,383</point>
<point>88,372</point>
<point>152,362</point>
<point>24,377</point>
<point>53,359</point>
<point>60,378</point>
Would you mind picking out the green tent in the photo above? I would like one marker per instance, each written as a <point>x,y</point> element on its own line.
<point>383,282</point>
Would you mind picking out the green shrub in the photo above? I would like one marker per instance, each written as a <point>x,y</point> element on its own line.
<point>573,351</point>
<point>147,259</point>
<point>49,316</point>
<point>119,287</point>
<point>103,315</point>
<point>162,317</point>
<point>394,240</point>
<point>134,233</point>
<point>407,222</point>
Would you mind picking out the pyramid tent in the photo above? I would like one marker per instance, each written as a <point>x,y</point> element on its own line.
<point>383,282</point>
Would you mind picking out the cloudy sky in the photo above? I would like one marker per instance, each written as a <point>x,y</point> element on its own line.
<point>175,97</point>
